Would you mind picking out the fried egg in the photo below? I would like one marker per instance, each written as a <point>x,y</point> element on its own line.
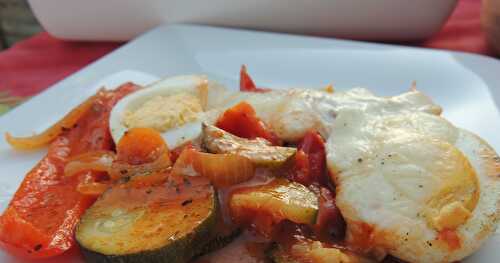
<point>291,113</point>
<point>411,184</point>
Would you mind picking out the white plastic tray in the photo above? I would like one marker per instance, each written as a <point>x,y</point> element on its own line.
<point>465,85</point>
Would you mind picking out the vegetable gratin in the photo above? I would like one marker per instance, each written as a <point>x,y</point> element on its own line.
<point>185,170</point>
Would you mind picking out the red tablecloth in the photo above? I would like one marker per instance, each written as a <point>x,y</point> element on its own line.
<point>34,64</point>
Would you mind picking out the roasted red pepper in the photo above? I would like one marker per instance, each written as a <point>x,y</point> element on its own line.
<point>242,121</point>
<point>40,219</point>
<point>300,171</point>
<point>330,224</point>
<point>310,161</point>
<point>246,82</point>
<point>313,145</point>
<point>310,169</point>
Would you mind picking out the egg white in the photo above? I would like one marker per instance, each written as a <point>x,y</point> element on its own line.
<point>391,167</point>
<point>206,91</point>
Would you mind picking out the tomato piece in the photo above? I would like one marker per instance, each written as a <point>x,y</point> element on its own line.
<point>176,152</point>
<point>246,82</point>
<point>256,221</point>
<point>313,145</point>
<point>450,238</point>
<point>241,120</point>
<point>300,172</point>
<point>140,146</point>
<point>310,161</point>
<point>40,219</point>
<point>361,236</point>
<point>330,225</point>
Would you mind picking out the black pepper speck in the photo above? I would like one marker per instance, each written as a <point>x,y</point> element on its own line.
<point>37,247</point>
<point>187,202</point>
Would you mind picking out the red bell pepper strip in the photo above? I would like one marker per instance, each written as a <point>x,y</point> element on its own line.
<point>242,121</point>
<point>310,169</point>
<point>40,219</point>
<point>246,82</point>
<point>313,145</point>
<point>330,225</point>
<point>310,161</point>
<point>300,171</point>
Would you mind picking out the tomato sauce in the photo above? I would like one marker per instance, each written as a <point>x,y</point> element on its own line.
<point>450,238</point>
<point>247,248</point>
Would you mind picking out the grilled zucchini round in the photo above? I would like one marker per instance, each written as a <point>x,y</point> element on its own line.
<point>170,222</point>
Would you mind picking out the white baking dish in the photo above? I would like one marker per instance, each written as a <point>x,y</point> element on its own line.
<point>398,20</point>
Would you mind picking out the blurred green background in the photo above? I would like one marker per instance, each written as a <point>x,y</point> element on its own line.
<point>16,22</point>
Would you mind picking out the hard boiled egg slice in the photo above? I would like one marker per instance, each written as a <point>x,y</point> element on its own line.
<point>174,106</point>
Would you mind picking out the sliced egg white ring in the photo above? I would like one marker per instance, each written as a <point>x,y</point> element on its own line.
<point>183,134</point>
<point>195,85</point>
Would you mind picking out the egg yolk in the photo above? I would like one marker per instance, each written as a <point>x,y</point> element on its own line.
<point>458,192</point>
<point>165,112</point>
<point>435,175</point>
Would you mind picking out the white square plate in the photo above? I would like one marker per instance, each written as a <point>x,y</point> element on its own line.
<point>465,85</point>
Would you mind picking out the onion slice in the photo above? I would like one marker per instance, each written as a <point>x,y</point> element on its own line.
<point>152,179</point>
<point>222,170</point>
<point>122,169</point>
<point>99,161</point>
<point>42,139</point>
<point>106,161</point>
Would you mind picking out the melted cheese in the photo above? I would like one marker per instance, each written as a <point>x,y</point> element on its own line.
<point>399,171</point>
<point>291,113</point>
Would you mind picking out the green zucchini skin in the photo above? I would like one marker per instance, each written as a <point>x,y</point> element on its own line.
<point>197,243</point>
<point>182,249</point>
<point>219,242</point>
<point>281,198</point>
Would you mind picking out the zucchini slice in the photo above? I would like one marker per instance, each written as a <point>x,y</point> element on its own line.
<point>281,198</point>
<point>259,151</point>
<point>220,241</point>
<point>170,222</point>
